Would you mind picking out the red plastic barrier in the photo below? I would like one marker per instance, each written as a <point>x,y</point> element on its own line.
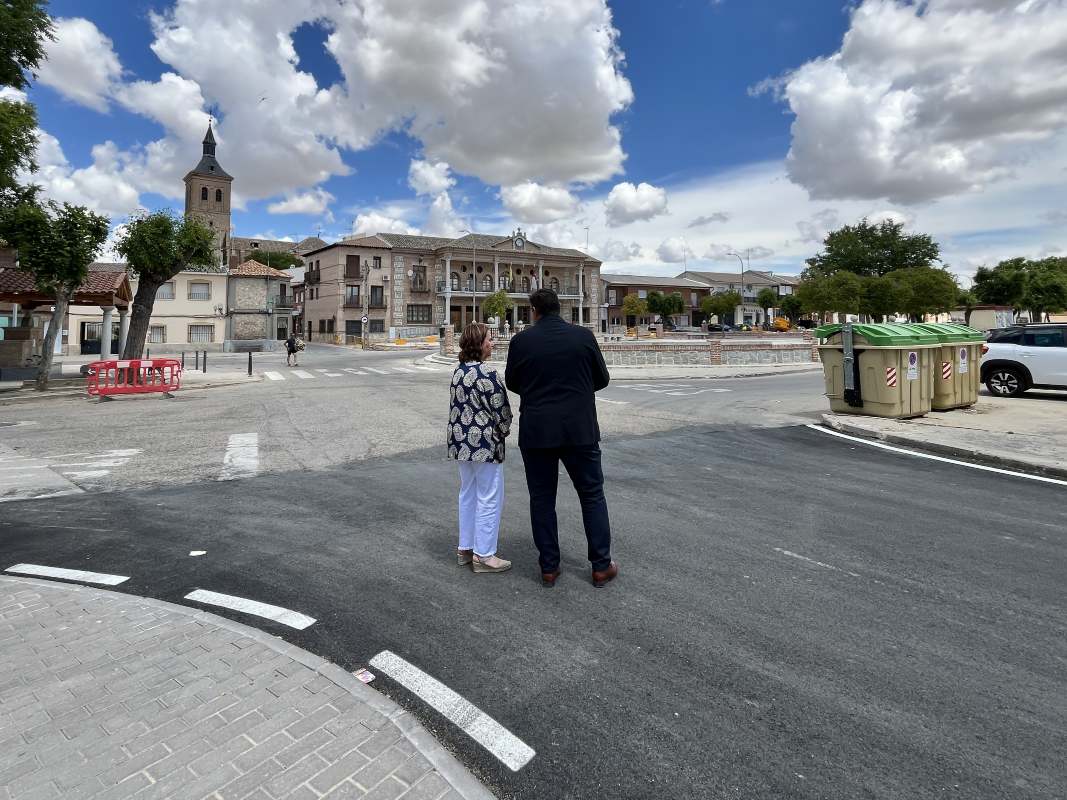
<point>137,376</point>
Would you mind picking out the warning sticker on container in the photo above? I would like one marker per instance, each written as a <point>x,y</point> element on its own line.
<point>963,361</point>
<point>890,377</point>
<point>913,366</point>
<point>946,370</point>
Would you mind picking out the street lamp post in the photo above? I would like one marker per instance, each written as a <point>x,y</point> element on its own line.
<point>741,286</point>
<point>365,313</point>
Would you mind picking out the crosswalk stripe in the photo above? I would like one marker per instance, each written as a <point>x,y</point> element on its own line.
<point>322,370</point>
<point>301,374</point>
<point>333,374</point>
<point>403,369</point>
<point>354,371</point>
<point>274,376</point>
<point>379,371</point>
<point>426,369</point>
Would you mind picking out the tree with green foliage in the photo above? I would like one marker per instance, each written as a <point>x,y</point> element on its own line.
<point>813,293</point>
<point>873,249</point>
<point>1046,289</point>
<point>1024,284</point>
<point>277,259</point>
<point>665,306</point>
<point>497,305</point>
<point>720,305</point>
<point>24,28</point>
<point>56,244</point>
<point>791,307</point>
<point>966,300</point>
<point>767,299</point>
<point>636,307</point>
<point>883,295</point>
<point>844,292</point>
<point>157,247</point>
<point>926,290</point>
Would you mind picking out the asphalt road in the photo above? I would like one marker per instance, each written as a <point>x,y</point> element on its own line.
<point>797,616</point>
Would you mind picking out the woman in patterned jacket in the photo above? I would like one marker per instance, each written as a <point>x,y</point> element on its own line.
<point>479,420</point>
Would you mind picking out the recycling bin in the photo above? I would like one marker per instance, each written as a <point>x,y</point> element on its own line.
<point>892,370</point>
<point>956,376</point>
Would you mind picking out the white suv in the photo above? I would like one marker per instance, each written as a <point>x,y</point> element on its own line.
<point>1025,357</point>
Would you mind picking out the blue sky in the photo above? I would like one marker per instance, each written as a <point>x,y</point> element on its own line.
<point>638,137</point>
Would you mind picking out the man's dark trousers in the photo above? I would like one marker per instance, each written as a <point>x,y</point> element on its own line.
<point>582,463</point>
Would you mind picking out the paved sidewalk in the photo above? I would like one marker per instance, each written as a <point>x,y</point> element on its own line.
<point>1027,433</point>
<point>108,695</point>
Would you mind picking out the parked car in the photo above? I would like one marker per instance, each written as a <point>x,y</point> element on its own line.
<point>1025,357</point>
<point>715,327</point>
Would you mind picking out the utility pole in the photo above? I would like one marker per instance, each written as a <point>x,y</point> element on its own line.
<point>365,291</point>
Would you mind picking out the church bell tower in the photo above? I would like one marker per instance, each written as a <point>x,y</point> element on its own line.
<point>207,195</point>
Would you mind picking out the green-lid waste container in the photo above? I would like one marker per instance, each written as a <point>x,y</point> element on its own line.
<point>956,376</point>
<point>893,368</point>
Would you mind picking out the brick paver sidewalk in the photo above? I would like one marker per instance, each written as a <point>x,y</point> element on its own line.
<point>108,695</point>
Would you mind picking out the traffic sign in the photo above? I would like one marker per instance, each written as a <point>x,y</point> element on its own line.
<point>365,319</point>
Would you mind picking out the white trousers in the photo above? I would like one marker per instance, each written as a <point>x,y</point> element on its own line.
<point>481,502</point>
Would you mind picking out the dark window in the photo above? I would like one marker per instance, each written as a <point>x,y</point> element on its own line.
<point>353,327</point>
<point>203,193</point>
<point>1010,336</point>
<point>418,279</point>
<point>553,284</point>
<point>487,283</point>
<point>503,282</point>
<point>418,314</point>
<point>377,262</point>
<point>1045,337</point>
<point>377,326</point>
<point>377,296</point>
<point>455,281</point>
<point>218,195</point>
<point>351,295</point>
<point>329,325</point>
<point>322,326</point>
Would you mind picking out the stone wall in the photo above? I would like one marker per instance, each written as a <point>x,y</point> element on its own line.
<point>250,326</point>
<point>250,293</point>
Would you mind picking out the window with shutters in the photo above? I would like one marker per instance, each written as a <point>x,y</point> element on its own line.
<point>157,334</point>
<point>377,297</point>
<point>165,291</point>
<point>419,314</point>
<point>199,290</point>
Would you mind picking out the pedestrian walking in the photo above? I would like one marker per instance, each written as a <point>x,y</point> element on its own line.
<point>290,351</point>
<point>556,368</point>
<point>479,420</point>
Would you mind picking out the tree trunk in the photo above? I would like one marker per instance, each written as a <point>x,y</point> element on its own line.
<point>63,297</point>
<point>143,303</point>
<point>967,317</point>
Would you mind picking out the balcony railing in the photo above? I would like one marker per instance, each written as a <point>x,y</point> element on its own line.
<point>465,287</point>
<point>353,302</point>
<point>311,277</point>
<point>417,285</point>
<point>281,300</point>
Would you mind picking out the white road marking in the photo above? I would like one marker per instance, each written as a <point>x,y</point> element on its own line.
<point>930,457</point>
<point>322,370</point>
<point>403,369</point>
<point>293,619</point>
<point>799,557</point>
<point>613,402</point>
<point>275,376</point>
<point>427,369</point>
<point>301,374</point>
<point>354,371</point>
<point>68,574</point>
<point>197,552</point>
<point>333,375</point>
<point>486,731</point>
<point>379,371</point>
<point>242,457</point>
<point>91,473</point>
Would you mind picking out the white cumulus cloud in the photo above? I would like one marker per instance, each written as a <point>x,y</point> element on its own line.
<point>929,99</point>
<point>673,250</point>
<point>628,203</point>
<point>430,178</point>
<point>80,63</point>
<point>377,222</point>
<point>531,202</point>
<point>315,202</point>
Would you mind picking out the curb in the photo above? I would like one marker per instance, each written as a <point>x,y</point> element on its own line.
<point>834,422</point>
<point>14,397</point>
<point>444,762</point>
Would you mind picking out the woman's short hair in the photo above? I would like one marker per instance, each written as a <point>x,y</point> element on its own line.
<point>470,341</point>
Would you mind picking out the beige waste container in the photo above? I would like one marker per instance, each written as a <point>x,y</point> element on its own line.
<point>894,368</point>
<point>957,375</point>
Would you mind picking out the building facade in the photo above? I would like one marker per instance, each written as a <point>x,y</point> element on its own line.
<point>615,288</point>
<point>259,307</point>
<point>411,285</point>
<point>748,285</point>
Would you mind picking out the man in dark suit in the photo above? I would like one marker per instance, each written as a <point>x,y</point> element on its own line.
<point>556,368</point>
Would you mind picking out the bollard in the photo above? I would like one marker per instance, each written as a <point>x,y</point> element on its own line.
<point>183,359</point>
<point>147,354</point>
<point>197,359</point>
<point>250,364</point>
<point>205,362</point>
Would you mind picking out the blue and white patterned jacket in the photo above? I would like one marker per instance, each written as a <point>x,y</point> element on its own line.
<point>479,418</point>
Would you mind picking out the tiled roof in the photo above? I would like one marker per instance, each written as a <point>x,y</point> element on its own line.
<point>372,240</point>
<point>210,167</point>
<point>273,245</point>
<point>108,266</point>
<point>308,244</point>
<point>414,242</point>
<point>481,241</point>
<point>650,280</point>
<point>253,269</point>
<point>97,282</point>
<point>752,276</point>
